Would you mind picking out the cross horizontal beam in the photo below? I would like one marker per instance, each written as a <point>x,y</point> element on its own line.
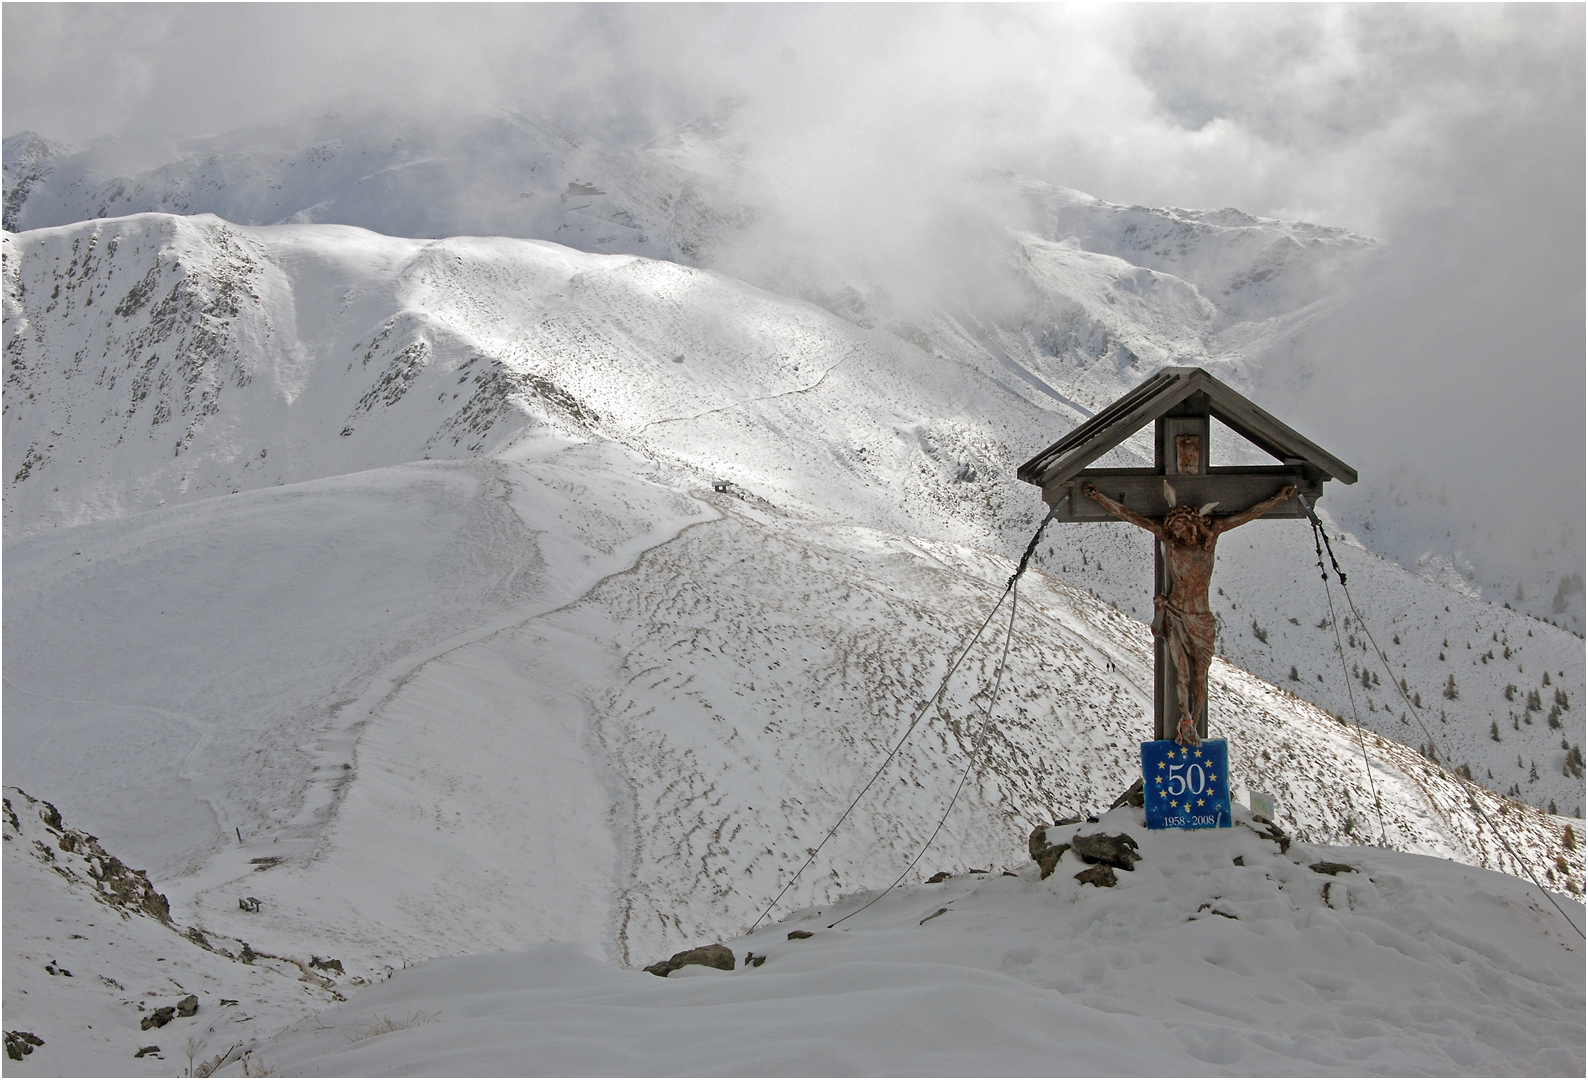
<point>1234,488</point>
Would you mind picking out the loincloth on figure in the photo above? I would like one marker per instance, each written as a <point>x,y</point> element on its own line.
<point>1186,632</point>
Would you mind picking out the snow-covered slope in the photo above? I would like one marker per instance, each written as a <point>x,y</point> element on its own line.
<point>1216,954</point>
<point>267,697</point>
<point>92,957</point>
<point>556,736</point>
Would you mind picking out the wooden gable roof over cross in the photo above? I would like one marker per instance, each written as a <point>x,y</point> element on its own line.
<point>1180,401</point>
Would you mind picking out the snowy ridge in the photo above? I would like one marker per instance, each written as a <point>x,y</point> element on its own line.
<point>157,359</point>
<point>480,172</point>
<point>634,734</point>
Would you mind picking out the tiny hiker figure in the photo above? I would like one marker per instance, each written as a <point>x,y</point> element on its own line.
<point>1182,619</point>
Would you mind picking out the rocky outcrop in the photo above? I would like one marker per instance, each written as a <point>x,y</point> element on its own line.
<point>115,884</point>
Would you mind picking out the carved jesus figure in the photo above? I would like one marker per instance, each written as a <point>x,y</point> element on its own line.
<point>1182,619</point>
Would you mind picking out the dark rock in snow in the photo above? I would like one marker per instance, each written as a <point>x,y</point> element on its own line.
<point>187,1006</point>
<point>1101,875</point>
<point>1332,868</point>
<point>145,1050</point>
<point>752,960</point>
<point>159,1018</point>
<point>799,935</point>
<point>1050,859</point>
<point>715,956</point>
<point>1117,851</point>
<point>1133,796</point>
<point>941,875</point>
<point>1047,855</point>
<point>1274,833</point>
<point>19,1044</point>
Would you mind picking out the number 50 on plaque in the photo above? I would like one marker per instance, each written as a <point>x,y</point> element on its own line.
<point>1186,787</point>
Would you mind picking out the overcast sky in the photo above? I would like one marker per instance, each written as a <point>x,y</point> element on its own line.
<point>1457,133</point>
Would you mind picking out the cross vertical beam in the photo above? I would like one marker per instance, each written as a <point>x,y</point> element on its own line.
<point>1189,420</point>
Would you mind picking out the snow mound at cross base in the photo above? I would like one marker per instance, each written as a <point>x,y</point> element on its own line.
<point>1191,964</point>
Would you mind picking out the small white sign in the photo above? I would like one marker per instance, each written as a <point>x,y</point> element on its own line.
<point>1262,805</point>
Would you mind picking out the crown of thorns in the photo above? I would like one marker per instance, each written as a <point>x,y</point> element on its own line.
<point>1188,514</point>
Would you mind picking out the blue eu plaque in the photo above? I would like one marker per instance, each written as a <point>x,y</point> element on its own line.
<point>1186,787</point>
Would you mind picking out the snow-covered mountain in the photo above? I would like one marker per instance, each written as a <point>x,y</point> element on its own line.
<point>492,172</point>
<point>1047,284</point>
<point>389,599</point>
<point>156,360</point>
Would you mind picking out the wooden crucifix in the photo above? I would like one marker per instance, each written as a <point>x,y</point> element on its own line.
<point>1186,504</point>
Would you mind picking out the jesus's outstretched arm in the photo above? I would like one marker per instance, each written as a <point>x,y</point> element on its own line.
<point>1223,525</point>
<point>1122,512</point>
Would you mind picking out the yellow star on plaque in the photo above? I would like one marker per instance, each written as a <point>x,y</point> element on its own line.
<point>1199,802</point>
<point>1213,777</point>
<point>1173,805</point>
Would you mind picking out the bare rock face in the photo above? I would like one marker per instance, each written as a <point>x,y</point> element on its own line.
<point>716,956</point>
<point>1118,851</point>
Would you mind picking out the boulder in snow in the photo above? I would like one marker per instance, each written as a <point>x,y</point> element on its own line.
<point>716,956</point>
<point>1119,851</point>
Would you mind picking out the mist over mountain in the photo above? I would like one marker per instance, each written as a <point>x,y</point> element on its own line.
<point>505,479</point>
<point>1283,309</point>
